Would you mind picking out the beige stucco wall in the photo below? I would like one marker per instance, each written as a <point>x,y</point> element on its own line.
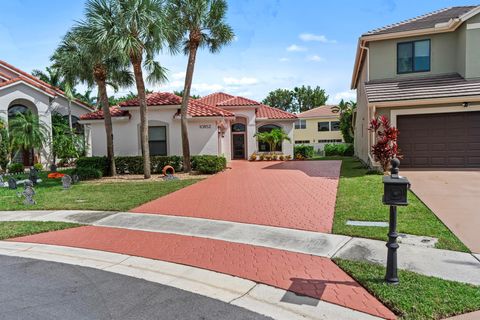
<point>311,133</point>
<point>383,56</point>
<point>473,47</point>
<point>361,121</point>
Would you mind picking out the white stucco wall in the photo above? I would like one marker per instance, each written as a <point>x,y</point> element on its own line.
<point>203,134</point>
<point>41,104</point>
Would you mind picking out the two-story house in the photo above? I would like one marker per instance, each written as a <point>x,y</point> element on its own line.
<point>424,75</point>
<point>317,127</point>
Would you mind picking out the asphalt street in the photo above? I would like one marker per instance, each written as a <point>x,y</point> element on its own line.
<point>34,289</point>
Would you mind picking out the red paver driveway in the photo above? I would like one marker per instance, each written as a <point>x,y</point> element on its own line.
<point>304,274</point>
<point>293,194</point>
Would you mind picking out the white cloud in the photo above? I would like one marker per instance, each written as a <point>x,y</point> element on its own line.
<point>283,59</point>
<point>206,87</point>
<point>178,75</point>
<point>315,58</point>
<point>244,81</point>
<point>295,48</point>
<point>315,37</point>
<point>346,95</point>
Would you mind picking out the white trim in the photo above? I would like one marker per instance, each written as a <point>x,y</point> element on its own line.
<point>114,119</point>
<point>471,26</point>
<point>28,85</point>
<point>395,113</point>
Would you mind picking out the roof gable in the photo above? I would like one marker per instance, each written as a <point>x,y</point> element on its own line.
<point>215,98</point>
<point>322,111</point>
<point>267,112</point>
<point>238,102</point>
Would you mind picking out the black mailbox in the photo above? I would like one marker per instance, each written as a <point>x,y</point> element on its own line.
<point>395,187</point>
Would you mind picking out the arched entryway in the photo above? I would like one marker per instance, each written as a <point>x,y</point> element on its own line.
<point>239,139</point>
<point>27,157</point>
<point>263,146</point>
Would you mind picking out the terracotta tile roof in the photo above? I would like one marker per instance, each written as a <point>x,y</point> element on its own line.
<point>215,98</point>
<point>443,86</point>
<point>34,81</point>
<point>195,108</point>
<point>98,115</point>
<point>318,112</point>
<point>238,102</point>
<point>266,112</point>
<point>425,21</point>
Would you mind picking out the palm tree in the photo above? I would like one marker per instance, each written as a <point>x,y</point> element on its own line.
<point>195,24</point>
<point>51,76</point>
<point>27,132</point>
<point>346,111</point>
<point>132,28</point>
<point>87,97</point>
<point>81,59</point>
<point>273,138</point>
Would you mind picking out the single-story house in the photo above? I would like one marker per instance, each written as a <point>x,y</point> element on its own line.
<point>218,124</point>
<point>318,127</point>
<point>424,75</point>
<point>21,92</point>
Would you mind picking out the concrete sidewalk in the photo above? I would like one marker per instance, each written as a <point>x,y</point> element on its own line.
<point>445,264</point>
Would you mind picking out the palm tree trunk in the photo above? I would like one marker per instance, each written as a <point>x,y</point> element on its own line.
<point>70,113</point>
<point>142,99</point>
<point>187,167</point>
<point>102,92</point>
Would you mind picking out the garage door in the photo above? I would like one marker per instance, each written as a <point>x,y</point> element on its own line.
<point>440,140</point>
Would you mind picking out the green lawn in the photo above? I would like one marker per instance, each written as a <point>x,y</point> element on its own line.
<point>416,296</point>
<point>91,195</point>
<point>359,197</point>
<point>12,229</point>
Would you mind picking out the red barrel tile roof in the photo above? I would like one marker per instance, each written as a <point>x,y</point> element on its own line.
<point>266,112</point>
<point>98,115</point>
<point>195,108</point>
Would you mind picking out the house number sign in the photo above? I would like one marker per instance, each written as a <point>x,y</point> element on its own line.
<point>205,126</point>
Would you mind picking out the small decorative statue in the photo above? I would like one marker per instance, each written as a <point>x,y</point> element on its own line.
<point>12,183</point>
<point>53,167</point>
<point>33,175</point>
<point>66,182</point>
<point>28,193</point>
<point>75,179</point>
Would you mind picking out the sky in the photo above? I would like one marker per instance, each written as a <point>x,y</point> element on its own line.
<point>278,43</point>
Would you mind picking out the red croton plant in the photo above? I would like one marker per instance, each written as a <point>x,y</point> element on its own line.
<point>386,147</point>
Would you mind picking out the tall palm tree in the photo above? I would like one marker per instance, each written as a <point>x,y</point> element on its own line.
<point>81,59</point>
<point>27,132</point>
<point>51,76</point>
<point>134,29</point>
<point>195,24</point>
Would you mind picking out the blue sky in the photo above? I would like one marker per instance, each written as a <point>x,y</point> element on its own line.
<point>279,44</point>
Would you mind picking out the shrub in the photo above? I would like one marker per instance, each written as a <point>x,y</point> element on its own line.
<point>88,173</point>
<point>98,163</point>
<point>343,150</point>
<point>38,166</point>
<point>304,151</point>
<point>288,157</point>
<point>208,164</point>
<point>386,146</point>
<point>16,168</point>
<point>253,157</point>
<point>134,164</point>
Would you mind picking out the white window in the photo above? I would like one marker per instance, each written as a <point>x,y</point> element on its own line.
<point>301,124</point>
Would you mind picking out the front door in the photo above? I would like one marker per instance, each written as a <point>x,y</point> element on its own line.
<point>238,146</point>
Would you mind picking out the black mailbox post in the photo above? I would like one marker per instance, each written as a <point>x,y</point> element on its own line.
<point>395,194</point>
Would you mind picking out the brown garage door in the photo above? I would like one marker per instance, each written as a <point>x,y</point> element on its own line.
<point>440,140</point>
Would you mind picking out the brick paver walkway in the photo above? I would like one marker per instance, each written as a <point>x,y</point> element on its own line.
<point>317,277</point>
<point>295,194</point>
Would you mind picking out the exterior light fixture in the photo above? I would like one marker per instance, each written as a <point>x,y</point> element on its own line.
<point>465,104</point>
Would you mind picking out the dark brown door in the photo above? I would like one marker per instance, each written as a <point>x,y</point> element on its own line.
<point>238,146</point>
<point>440,140</point>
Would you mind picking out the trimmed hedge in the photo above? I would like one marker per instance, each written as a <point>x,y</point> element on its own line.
<point>344,150</point>
<point>134,164</point>
<point>98,163</point>
<point>304,151</point>
<point>208,164</point>
<point>16,168</point>
<point>88,173</point>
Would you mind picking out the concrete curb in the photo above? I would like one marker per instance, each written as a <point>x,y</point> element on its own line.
<point>259,298</point>
<point>445,264</point>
